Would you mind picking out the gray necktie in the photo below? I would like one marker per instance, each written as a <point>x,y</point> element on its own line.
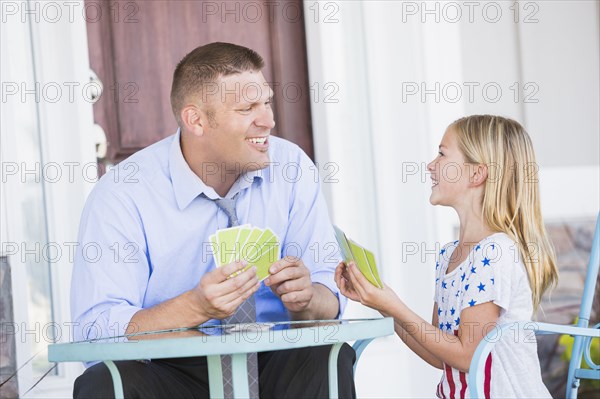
<point>246,313</point>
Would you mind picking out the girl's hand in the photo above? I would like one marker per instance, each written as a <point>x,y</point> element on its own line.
<point>355,286</point>
<point>342,280</point>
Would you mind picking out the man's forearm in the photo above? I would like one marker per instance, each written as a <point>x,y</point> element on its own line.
<point>178,312</point>
<point>323,305</point>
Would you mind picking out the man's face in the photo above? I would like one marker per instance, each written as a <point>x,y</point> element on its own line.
<point>237,133</point>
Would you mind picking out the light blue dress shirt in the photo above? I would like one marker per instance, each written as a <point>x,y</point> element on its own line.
<point>143,237</point>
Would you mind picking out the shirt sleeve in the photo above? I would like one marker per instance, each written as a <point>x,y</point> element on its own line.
<point>442,259</point>
<point>489,275</point>
<point>310,233</point>
<point>111,270</point>
<point>438,266</point>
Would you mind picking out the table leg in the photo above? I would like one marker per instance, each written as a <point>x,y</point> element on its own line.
<point>359,346</point>
<point>333,370</point>
<point>215,376</point>
<point>239,375</point>
<point>116,377</point>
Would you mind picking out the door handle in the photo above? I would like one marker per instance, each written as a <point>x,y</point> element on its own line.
<point>96,87</point>
<point>100,141</point>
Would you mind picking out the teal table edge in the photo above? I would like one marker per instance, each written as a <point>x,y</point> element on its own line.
<point>237,344</point>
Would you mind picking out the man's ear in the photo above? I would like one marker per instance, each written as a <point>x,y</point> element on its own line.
<point>192,120</point>
<point>479,174</point>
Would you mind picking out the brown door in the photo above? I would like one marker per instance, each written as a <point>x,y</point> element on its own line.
<point>135,46</point>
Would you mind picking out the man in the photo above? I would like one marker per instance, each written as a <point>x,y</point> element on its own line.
<point>150,218</point>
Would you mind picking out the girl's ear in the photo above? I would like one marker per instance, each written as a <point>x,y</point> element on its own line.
<point>479,175</point>
<point>192,120</point>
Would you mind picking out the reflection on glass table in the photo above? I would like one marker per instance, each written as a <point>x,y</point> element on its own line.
<point>236,340</point>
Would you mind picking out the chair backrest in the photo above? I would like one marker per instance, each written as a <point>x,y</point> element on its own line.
<point>580,343</point>
<point>590,280</point>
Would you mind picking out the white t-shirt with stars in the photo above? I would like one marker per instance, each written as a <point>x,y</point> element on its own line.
<point>492,272</point>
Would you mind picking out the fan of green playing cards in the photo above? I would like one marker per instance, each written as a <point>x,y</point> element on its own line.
<point>363,258</point>
<point>258,247</point>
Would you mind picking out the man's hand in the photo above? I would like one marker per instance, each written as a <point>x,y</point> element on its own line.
<point>290,281</point>
<point>219,294</point>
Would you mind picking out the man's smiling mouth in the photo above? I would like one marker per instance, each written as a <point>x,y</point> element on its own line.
<point>257,140</point>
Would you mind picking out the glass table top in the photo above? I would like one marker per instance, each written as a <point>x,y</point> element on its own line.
<point>246,329</point>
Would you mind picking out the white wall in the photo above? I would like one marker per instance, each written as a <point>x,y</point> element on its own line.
<point>382,133</point>
<point>46,134</point>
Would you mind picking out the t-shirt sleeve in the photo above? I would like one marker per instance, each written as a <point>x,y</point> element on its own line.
<point>441,265</point>
<point>438,276</point>
<point>489,274</point>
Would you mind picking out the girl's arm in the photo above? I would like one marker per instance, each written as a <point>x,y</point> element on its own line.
<point>455,351</point>
<point>342,281</point>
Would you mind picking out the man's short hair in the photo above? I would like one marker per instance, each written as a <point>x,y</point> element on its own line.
<point>205,65</point>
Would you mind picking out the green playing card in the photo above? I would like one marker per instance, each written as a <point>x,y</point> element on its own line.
<point>250,244</point>
<point>226,242</point>
<point>251,251</point>
<point>373,267</point>
<point>363,258</point>
<point>343,244</point>
<point>269,253</point>
<point>360,258</point>
<point>262,252</point>
<point>240,241</point>
<point>258,247</point>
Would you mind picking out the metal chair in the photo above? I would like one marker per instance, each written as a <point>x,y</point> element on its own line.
<point>582,333</point>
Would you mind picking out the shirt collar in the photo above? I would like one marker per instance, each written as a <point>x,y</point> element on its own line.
<point>187,185</point>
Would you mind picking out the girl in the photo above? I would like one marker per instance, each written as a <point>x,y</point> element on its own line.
<point>495,273</point>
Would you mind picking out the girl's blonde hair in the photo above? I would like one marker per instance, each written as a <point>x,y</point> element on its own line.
<point>511,201</point>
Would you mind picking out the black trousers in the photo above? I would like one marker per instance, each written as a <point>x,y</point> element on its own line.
<point>294,373</point>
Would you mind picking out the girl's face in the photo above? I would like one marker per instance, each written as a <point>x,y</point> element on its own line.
<point>449,173</point>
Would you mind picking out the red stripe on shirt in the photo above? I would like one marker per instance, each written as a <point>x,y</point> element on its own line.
<point>488,376</point>
<point>463,382</point>
<point>450,379</point>
<point>441,386</point>
<point>463,378</point>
